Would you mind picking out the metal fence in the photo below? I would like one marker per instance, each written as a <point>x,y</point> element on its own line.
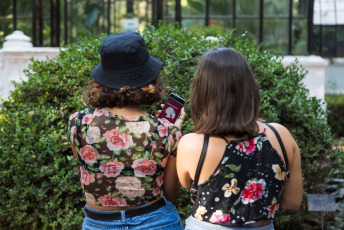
<point>286,26</point>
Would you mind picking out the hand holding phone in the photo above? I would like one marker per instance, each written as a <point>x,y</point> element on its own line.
<point>172,108</point>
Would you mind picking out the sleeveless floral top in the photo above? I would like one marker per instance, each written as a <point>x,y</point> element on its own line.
<point>246,185</point>
<point>122,158</point>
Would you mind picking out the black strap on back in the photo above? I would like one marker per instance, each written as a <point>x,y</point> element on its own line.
<point>281,144</point>
<point>193,190</point>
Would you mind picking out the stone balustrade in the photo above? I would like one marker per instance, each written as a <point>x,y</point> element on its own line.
<point>17,51</point>
<point>15,57</point>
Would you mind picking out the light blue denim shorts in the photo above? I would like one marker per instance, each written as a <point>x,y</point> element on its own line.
<point>192,223</point>
<point>165,217</point>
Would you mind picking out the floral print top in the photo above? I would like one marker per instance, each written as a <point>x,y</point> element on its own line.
<point>246,185</point>
<point>122,158</point>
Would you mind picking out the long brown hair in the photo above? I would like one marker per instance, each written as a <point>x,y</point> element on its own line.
<point>224,96</point>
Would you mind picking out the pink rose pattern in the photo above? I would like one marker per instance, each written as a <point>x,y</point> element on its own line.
<point>144,167</point>
<point>111,169</point>
<point>247,146</point>
<point>163,131</point>
<point>89,154</point>
<point>256,188</point>
<point>220,217</point>
<point>114,151</point>
<point>85,177</point>
<point>116,140</point>
<point>108,200</point>
<point>253,191</point>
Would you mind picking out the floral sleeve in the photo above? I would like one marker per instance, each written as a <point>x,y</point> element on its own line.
<point>173,139</point>
<point>71,129</point>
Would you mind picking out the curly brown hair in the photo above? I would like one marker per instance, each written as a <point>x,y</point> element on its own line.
<point>102,96</point>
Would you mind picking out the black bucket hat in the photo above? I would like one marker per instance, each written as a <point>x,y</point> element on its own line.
<point>125,61</point>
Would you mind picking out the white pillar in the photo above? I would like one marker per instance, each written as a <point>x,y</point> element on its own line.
<point>15,57</point>
<point>315,78</point>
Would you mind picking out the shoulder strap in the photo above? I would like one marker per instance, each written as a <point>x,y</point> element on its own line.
<point>281,144</point>
<point>200,164</point>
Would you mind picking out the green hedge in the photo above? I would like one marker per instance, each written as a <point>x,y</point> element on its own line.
<point>335,104</point>
<point>40,186</point>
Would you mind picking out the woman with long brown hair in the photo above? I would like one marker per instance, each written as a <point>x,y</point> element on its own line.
<point>240,171</point>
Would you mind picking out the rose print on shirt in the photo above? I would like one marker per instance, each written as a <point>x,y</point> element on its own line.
<point>73,116</point>
<point>160,180</point>
<point>156,191</point>
<point>165,122</point>
<point>163,131</point>
<point>220,217</point>
<point>129,186</point>
<point>90,197</point>
<point>273,208</point>
<point>253,191</point>
<point>108,200</point>
<point>72,134</point>
<point>144,167</point>
<point>116,141</point>
<point>247,146</point>
<point>199,212</point>
<point>138,127</point>
<point>101,112</point>
<point>93,135</point>
<point>89,154</point>
<point>87,119</point>
<point>85,177</point>
<point>279,174</point>
<point>164,162</point>
<point>229,189</point>
<point>111,169</point>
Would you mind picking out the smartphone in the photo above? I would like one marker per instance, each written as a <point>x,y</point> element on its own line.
<point>172,108</point>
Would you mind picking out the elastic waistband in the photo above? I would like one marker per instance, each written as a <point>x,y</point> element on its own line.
<point>128,214</point>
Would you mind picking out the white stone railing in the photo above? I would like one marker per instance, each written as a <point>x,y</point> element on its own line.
<point>15,57</point>
<point>17,51</point>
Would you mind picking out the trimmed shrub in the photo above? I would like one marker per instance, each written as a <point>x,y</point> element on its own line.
<point>335,104</point>
<point>40,186</point>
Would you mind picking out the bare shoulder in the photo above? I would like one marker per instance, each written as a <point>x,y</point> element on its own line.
<point>190,143</point>
<point>282,131</point>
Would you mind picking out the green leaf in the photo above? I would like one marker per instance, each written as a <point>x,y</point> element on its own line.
<point>230,175</point>
<point>137,135</point>
<point>102,139</point>
<point>139,148</point>
<point>234,167</point>
<point>136,156</point>
<point>123,129</point>
<point>148,178</point>
<point>128,173</point>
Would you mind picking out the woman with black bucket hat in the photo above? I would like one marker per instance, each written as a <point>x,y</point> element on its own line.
<point>127,157</point>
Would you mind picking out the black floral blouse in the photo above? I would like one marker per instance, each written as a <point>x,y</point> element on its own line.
<point>245,186</point>
<point>122,158</point>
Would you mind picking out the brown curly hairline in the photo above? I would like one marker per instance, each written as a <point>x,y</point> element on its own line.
<point>102,96</point>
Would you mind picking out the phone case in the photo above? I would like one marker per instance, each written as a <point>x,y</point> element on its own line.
<point>172,108</point>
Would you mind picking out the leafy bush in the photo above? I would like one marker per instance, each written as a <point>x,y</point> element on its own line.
<point>335,104</point>
<point>40,186</point>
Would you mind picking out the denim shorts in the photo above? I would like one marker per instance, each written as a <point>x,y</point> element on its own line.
<point>192,223</point>
<point>166,217</point>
